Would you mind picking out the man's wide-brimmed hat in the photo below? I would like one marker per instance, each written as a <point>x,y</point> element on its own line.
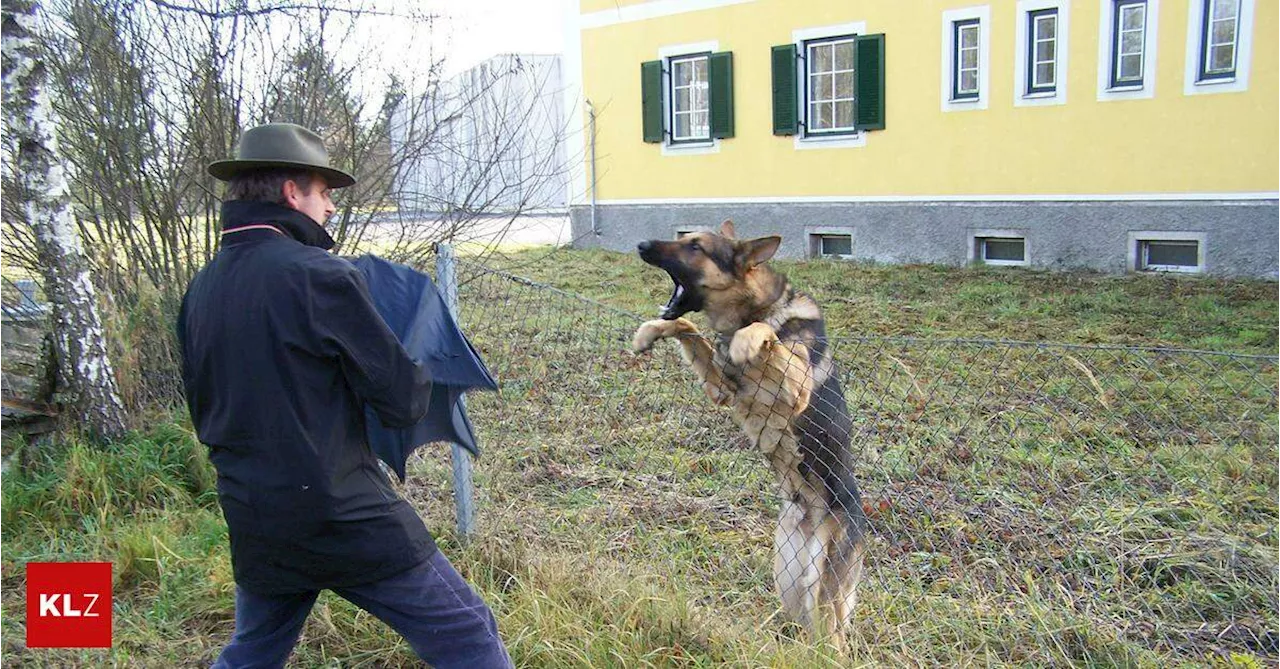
<point>281,145</point>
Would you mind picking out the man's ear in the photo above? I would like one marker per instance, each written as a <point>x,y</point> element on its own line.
<point>292,192</point>
<point>726,229</point>
<point>755,251</point>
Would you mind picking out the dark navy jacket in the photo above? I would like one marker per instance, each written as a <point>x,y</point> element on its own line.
<point>282,349</point>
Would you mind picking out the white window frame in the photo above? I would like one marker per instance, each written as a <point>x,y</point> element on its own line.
<point>1192,84</point>
<point>961,29</point>
<point>1207,43</point>
<point>1106,38</point>
<point>835,73</point>
<point>805,140</point>
<point>976,237</point>
<point>949,18</point>
<point>1034,23</point>
<point>1138,240</point>
<point>694,85</point>
<point>1118,54</point>
<point>691,147</point>
<point>827,231</point>
<point>1021,98</point>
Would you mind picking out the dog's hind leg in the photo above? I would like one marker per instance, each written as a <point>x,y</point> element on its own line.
<point>821,533</point>
<point>792,572</point>
<point>841,574</point>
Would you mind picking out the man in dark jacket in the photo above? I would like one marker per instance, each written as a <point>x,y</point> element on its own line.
<point>281,349</point>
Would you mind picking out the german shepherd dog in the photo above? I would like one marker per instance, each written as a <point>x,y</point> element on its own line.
<point>770,363</point>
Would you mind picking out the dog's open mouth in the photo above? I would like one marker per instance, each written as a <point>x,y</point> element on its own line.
<point>685,295</point>
<point>674,308</point>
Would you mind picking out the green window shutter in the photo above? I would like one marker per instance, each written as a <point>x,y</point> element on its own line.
<point>785,114</point>
<point>651,99</point>
<point>869,86</point>
<point>720,85</point>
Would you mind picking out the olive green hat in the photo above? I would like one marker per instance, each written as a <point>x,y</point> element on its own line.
<point>281,145</point>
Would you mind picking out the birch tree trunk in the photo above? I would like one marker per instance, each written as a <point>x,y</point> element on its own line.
<point>84,371</point>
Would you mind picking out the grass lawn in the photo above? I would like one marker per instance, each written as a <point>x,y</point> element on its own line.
<point>1032,504</point>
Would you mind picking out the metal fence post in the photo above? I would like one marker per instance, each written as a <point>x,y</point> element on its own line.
<point>463,496</point>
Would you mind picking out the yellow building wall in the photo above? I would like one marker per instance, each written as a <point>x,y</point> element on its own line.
<point>588,6</point>
<point>1172,143</point>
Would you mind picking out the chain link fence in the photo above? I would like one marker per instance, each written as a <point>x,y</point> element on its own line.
<point>1025,503</point>
<point>23,361</point>
<point>25,316</point>
<point>1036,503</point>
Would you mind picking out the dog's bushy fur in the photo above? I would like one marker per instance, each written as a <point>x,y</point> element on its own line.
<point>770,362</point>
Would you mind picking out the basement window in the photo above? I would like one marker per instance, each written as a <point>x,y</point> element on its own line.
<point>1169,255</point>
<point>831,246</point>
<point>1002,250</point>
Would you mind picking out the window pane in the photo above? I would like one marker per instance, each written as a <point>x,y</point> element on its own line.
<point>1130,67</point>
<point>968,37</point>
<point>1044,74</point>
<point>1046,27</point>
<point>837,245</point>
<point>821,119</point>
<point>844,115</point>
<point>682,126</point>
<point>1132,17</point>
<point>821,55</point>
<point>1224,32</point>
<point>699,97</point>
<point>682,99</point>
<point>820,87</point>
<point>681,72</point>
<point>1224,9</point>
<point>969,81</point>
<point>844,56</point>
<point>700,128</point>
<point>969,58</point>
<point>1179,254</point>
<point>1131,42</point>
<point>844,85</point>
<point>1221,58</point>
<point>700,69</point>
<point>1012,250</point>
<point>1044,51</point>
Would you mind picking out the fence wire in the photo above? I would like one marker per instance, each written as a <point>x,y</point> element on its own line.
<point>1028,503</point>
<point>1054,503</point>
<point>23,317</point>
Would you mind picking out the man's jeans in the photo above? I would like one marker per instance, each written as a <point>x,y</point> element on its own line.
<point>431,606</point>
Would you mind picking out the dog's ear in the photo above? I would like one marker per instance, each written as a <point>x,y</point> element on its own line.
<point>726,229</point>
<point>755,251</point>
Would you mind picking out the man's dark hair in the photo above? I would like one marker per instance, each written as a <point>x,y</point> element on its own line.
<point>267,184</point>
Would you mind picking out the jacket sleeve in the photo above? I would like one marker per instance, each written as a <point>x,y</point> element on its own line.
<point>374,362</point>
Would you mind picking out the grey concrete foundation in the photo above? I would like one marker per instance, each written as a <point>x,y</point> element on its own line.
<point>1240,238</point>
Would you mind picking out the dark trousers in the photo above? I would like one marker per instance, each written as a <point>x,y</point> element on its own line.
<point>431,606</point>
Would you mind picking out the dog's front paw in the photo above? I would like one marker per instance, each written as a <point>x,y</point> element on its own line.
<point>750,343</point>
<point>646,334</point>
<point>651,331</point>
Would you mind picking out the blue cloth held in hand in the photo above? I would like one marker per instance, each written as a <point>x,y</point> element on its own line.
<point>414,309</point>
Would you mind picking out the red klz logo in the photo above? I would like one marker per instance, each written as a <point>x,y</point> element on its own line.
<point>68,604</point>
